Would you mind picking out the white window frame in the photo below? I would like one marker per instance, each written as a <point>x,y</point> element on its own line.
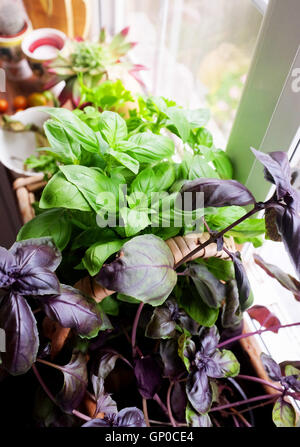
<point>268,114</point>
<point>268,117</point>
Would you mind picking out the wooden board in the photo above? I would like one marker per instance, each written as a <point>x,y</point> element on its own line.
<point>252,348</point>
<point>53,14</point>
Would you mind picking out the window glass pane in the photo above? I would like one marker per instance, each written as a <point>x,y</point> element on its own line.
<point>267,291</point>
<point>197,51</point>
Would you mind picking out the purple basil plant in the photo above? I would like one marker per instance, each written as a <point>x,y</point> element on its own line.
<point>206,362</point>
<point>128,417</point>
<point>27,273</point>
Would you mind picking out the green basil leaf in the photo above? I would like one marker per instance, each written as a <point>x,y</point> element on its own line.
<point>134,220</point>
<point>203,137</point>
<point>59,193</point>
<point>219,268</point>
<point>219,218</point>
<point>227,361</point>
<point>154,179</point>
<point>283,414</point>
<point>223,165</point>
<point>53,223</point>
<point>92,235</point>
<point>125,160</point>
<point>290,370</point>
<point>62,146</point>
<point>194,419</point>
<point>77,129</point>
<point>110,306</point>
<point>165,233</point>
<point>200,168</point>
<point>91,183</point>
<point>84,220</point>
<point>98,253</point>
<point>196,308</point>
<point>127,299</point>
<point>113,127</point>
<point>250,229</point>
<point>197,117</point>
<point>178,118</point>
<point>150,147</point>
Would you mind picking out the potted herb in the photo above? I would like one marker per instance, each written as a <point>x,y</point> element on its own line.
<point>95,62</point>
<point>122,280</point>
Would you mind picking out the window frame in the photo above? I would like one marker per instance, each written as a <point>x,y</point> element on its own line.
<point>269,81</point>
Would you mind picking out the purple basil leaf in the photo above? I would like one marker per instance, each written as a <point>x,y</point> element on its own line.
<point>290,367</point>
<point>277,170</point>
<point>104,403</point>
<point>95,423</point>
<point>286,280</point>
<point>242,280</point>
<point>74,310</point>
<point>166,317</point>
<point>210,289</point>
<point>271,367</point>
<point>199,391</point>
<point>173,365</point>
<point>283,414</point>
<point>186,350</point>
<point>75,383</point>
<point>227,363</point>
<point>188,323</point>
<point>209,339</point>
<point>34,253</point>
<point>231,311</point>
<point>148,374</point>
<point>219,193</point>
<point>266,318</point>
<point>288,223</point>
<point>292,382</point>
<point>197,420</point>
<point>161,324</point>
<point>179,401</point>
<point>130,417</point>
<point>208,365</point>
<point>22,339</point>
<point>145,270</point>
<point>7,268</point>
<point>37,281</point>
<point>107,364</point>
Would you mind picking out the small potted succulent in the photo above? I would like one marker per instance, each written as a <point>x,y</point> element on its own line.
<point>95,62</point>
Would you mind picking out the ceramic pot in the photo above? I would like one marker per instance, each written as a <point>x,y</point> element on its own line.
<point>40,47</point>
